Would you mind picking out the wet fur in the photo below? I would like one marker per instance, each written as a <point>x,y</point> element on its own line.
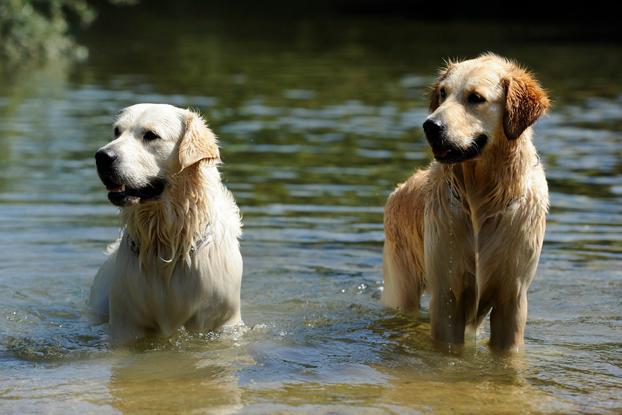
<point>472,232</point>
<point>172,282</point>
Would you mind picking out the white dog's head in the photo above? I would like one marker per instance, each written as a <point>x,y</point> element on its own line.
<point>152,143</point>
<point>476,103</point>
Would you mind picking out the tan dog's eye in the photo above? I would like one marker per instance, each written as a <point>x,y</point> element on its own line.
<point>150,136</point>
<point>475,98</point>
<point>117,132</point>
<point>442,93</point>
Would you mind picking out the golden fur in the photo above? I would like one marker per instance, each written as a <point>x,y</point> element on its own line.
<point>471,231</point>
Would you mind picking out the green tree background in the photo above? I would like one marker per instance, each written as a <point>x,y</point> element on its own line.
<point>41,30</point>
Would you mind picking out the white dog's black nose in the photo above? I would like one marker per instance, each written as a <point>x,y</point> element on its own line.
<point>104,159</point>
<point>434,132</point>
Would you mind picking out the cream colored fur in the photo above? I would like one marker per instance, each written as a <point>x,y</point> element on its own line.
<point>187,268</point>
<point>471,232</point>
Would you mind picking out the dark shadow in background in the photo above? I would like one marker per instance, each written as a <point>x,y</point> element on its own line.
<point>595,21</point>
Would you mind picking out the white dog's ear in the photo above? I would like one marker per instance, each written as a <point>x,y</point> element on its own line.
<point>525,102</point>
<point>198,143</point>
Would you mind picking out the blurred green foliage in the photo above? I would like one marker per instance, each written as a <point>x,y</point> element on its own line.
<point>40,30</point>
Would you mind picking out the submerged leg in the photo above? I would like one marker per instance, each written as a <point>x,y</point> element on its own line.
<point>507,323</point>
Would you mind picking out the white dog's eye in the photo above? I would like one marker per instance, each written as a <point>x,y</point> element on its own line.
<point>442,93</point>
<point>117,132</point>
<point>475,98</point>
<point>150,136</point>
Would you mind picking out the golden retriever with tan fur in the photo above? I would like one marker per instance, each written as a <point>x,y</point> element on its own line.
<point>178,261</point>
<point>470,227</point>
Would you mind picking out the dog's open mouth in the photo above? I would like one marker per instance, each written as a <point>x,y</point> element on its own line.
<point>122,195</point>
<point>454,155</point>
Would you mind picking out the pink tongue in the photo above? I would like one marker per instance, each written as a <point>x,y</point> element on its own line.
<point>133,200</point>
<point>116,189</point>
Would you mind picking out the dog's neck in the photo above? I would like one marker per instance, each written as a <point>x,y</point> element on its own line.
<point>498,177</point>
<point>166,230</point>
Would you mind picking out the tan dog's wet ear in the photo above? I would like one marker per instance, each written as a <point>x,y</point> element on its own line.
<point>525,102</point>
<point>434,95</point>
<point>198,143</point>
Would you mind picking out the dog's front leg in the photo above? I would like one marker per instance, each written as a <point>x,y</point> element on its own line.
<point>450,270</point>
<point>509,248</point>
<point>123,331</point>
<point>123,324</point>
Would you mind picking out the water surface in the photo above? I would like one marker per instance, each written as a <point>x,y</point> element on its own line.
<point>318,121</point>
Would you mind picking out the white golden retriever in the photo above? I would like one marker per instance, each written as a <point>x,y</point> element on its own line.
<point>470,227</point>
<point>178,261</point>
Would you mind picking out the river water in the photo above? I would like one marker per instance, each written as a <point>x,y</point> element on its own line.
<point>318,120</point>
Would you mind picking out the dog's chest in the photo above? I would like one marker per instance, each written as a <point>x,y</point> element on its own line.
<point>167,301</point>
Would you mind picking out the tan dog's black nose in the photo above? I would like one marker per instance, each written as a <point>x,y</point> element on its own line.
<point>434,132</point>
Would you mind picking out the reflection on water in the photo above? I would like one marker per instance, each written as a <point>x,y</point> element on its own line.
<point>166,379</point>
<point>318,122</point>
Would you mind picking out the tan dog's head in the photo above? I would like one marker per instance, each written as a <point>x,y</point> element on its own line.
<point>476,103</point>
<point>152,143</point>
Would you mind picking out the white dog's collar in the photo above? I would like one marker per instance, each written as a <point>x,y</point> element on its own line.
<point>204,239</point>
